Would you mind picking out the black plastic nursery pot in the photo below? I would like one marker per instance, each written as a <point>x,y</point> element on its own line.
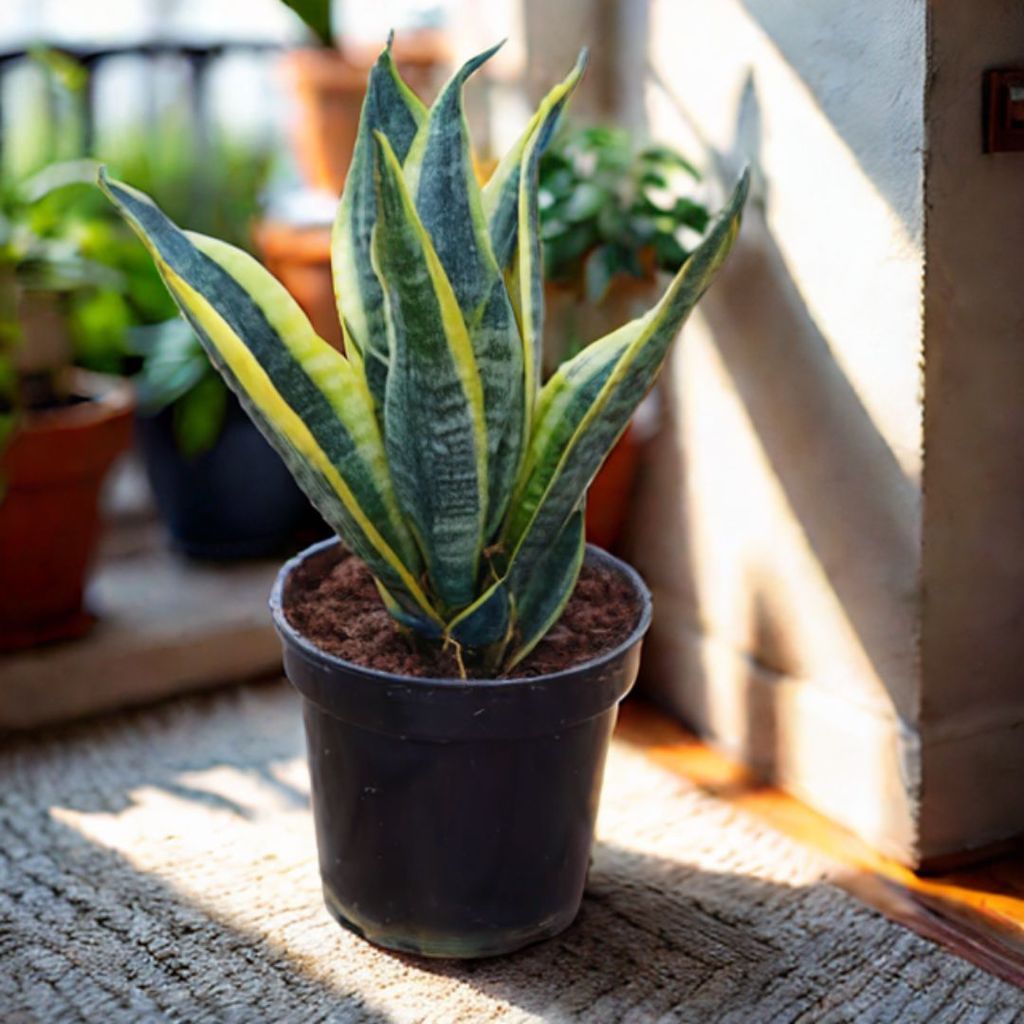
<point>235,500</point>
<point>455,818</point>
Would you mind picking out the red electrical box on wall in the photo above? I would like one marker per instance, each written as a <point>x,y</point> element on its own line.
<point>1003,111</point>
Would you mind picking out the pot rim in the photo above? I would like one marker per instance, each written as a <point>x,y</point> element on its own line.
<point>318,656</point>
<point>106,397</point>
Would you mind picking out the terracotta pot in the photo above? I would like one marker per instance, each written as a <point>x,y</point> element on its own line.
<point>611,492</point>
<point>329,94</point>
<point>49,515</point>
<point>300,258</point>
<point>329,86</point>
<point>422,55</point>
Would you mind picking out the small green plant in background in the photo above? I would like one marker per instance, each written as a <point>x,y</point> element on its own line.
<point>432,449</point>
<point>608,208</point>
<point>130,324</point>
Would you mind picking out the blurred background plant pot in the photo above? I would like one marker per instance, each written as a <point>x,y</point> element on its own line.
<point>300,258</point>
<point>328,92</point>
<point>51,474</point>
<point>328,85</point>
<point>455,818</point>
<point>235,499</point>
<point>609,496</point>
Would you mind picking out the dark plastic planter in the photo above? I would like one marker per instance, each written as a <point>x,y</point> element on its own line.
<point>236,500</point>
<point>455,818</point>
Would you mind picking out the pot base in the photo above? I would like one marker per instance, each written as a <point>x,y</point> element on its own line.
<point>50,631</point>
<point>449,947</point>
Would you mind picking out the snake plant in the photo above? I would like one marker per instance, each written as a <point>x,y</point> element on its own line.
<point>430,446</point>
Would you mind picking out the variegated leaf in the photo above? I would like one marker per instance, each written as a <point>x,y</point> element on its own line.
<point>512,616</point>
<point>391,107</point>
<point>587,404</point>
<point>435,434</point>
<point>501,193</point>
<point>527,272</point>
<point>311,404</point>
<point>439,174</point>
<point>542,593</point>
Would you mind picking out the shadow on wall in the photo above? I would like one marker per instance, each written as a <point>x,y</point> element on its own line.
<point>881,45</point>
<point>841,481</point>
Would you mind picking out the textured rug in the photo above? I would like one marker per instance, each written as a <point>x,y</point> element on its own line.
<point>161,866</point>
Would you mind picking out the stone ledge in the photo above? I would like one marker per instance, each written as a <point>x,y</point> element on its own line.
<point>167,626</point>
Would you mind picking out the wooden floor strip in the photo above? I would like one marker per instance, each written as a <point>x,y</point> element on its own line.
<point>977,913</point>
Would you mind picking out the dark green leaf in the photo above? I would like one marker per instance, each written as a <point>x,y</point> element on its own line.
<point>598,270</point>
<point>199,415</point>
<point>585,202</point>
<point>316,15</point>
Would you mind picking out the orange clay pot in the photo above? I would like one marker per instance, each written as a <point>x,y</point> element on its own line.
<point>609,496</point>
<point>329,95</point>
<point>52,472</point>
<point>329,86</point>
<point>300,258</point>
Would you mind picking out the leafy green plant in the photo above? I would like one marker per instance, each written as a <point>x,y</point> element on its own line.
<point>432,449</point>
<point>133,324</point>
<point>607,208</point>
<point>34,262</point>
<point>177,374</point>
<point>316,15</point>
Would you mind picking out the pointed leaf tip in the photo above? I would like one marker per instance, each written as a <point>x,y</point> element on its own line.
<point>474,63</point>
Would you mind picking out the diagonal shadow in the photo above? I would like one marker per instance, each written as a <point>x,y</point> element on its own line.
<point>866,72</point>
<point>849,494</point>
<point>855,505</point>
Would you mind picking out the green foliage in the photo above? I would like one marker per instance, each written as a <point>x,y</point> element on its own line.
<point>431,447</point>
<point>316,15</point>
<point>176,372</point>
<point>607,208</point>
<point>114,289</point>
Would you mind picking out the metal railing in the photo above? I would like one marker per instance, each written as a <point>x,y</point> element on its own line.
<point>200,59</point>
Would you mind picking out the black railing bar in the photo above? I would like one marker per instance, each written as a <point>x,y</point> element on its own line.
<point>191,50</point>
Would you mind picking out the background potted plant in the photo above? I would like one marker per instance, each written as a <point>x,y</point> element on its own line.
<point>61,428</point>
<point>613,217</point>
<point>221,491</point>
<point>329,83</point>
<point>456,734</point>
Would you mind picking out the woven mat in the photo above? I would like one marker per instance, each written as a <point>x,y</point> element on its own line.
<point>161,866</point>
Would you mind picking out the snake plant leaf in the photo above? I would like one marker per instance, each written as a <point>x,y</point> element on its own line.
<point>501,193</point>
<point>439,174</point>
<point>526,275</point>
<point>587,404</point>
<point>542,593</point>
<point>523,604</point>
<point>309,401</point>
<point>393,108</point>
<point>487,623</point>
<point>434,428</point>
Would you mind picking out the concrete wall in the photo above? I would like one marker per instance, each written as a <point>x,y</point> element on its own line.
<point>973,636</point>
<point>779,521</point>
<point>832,519</point>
